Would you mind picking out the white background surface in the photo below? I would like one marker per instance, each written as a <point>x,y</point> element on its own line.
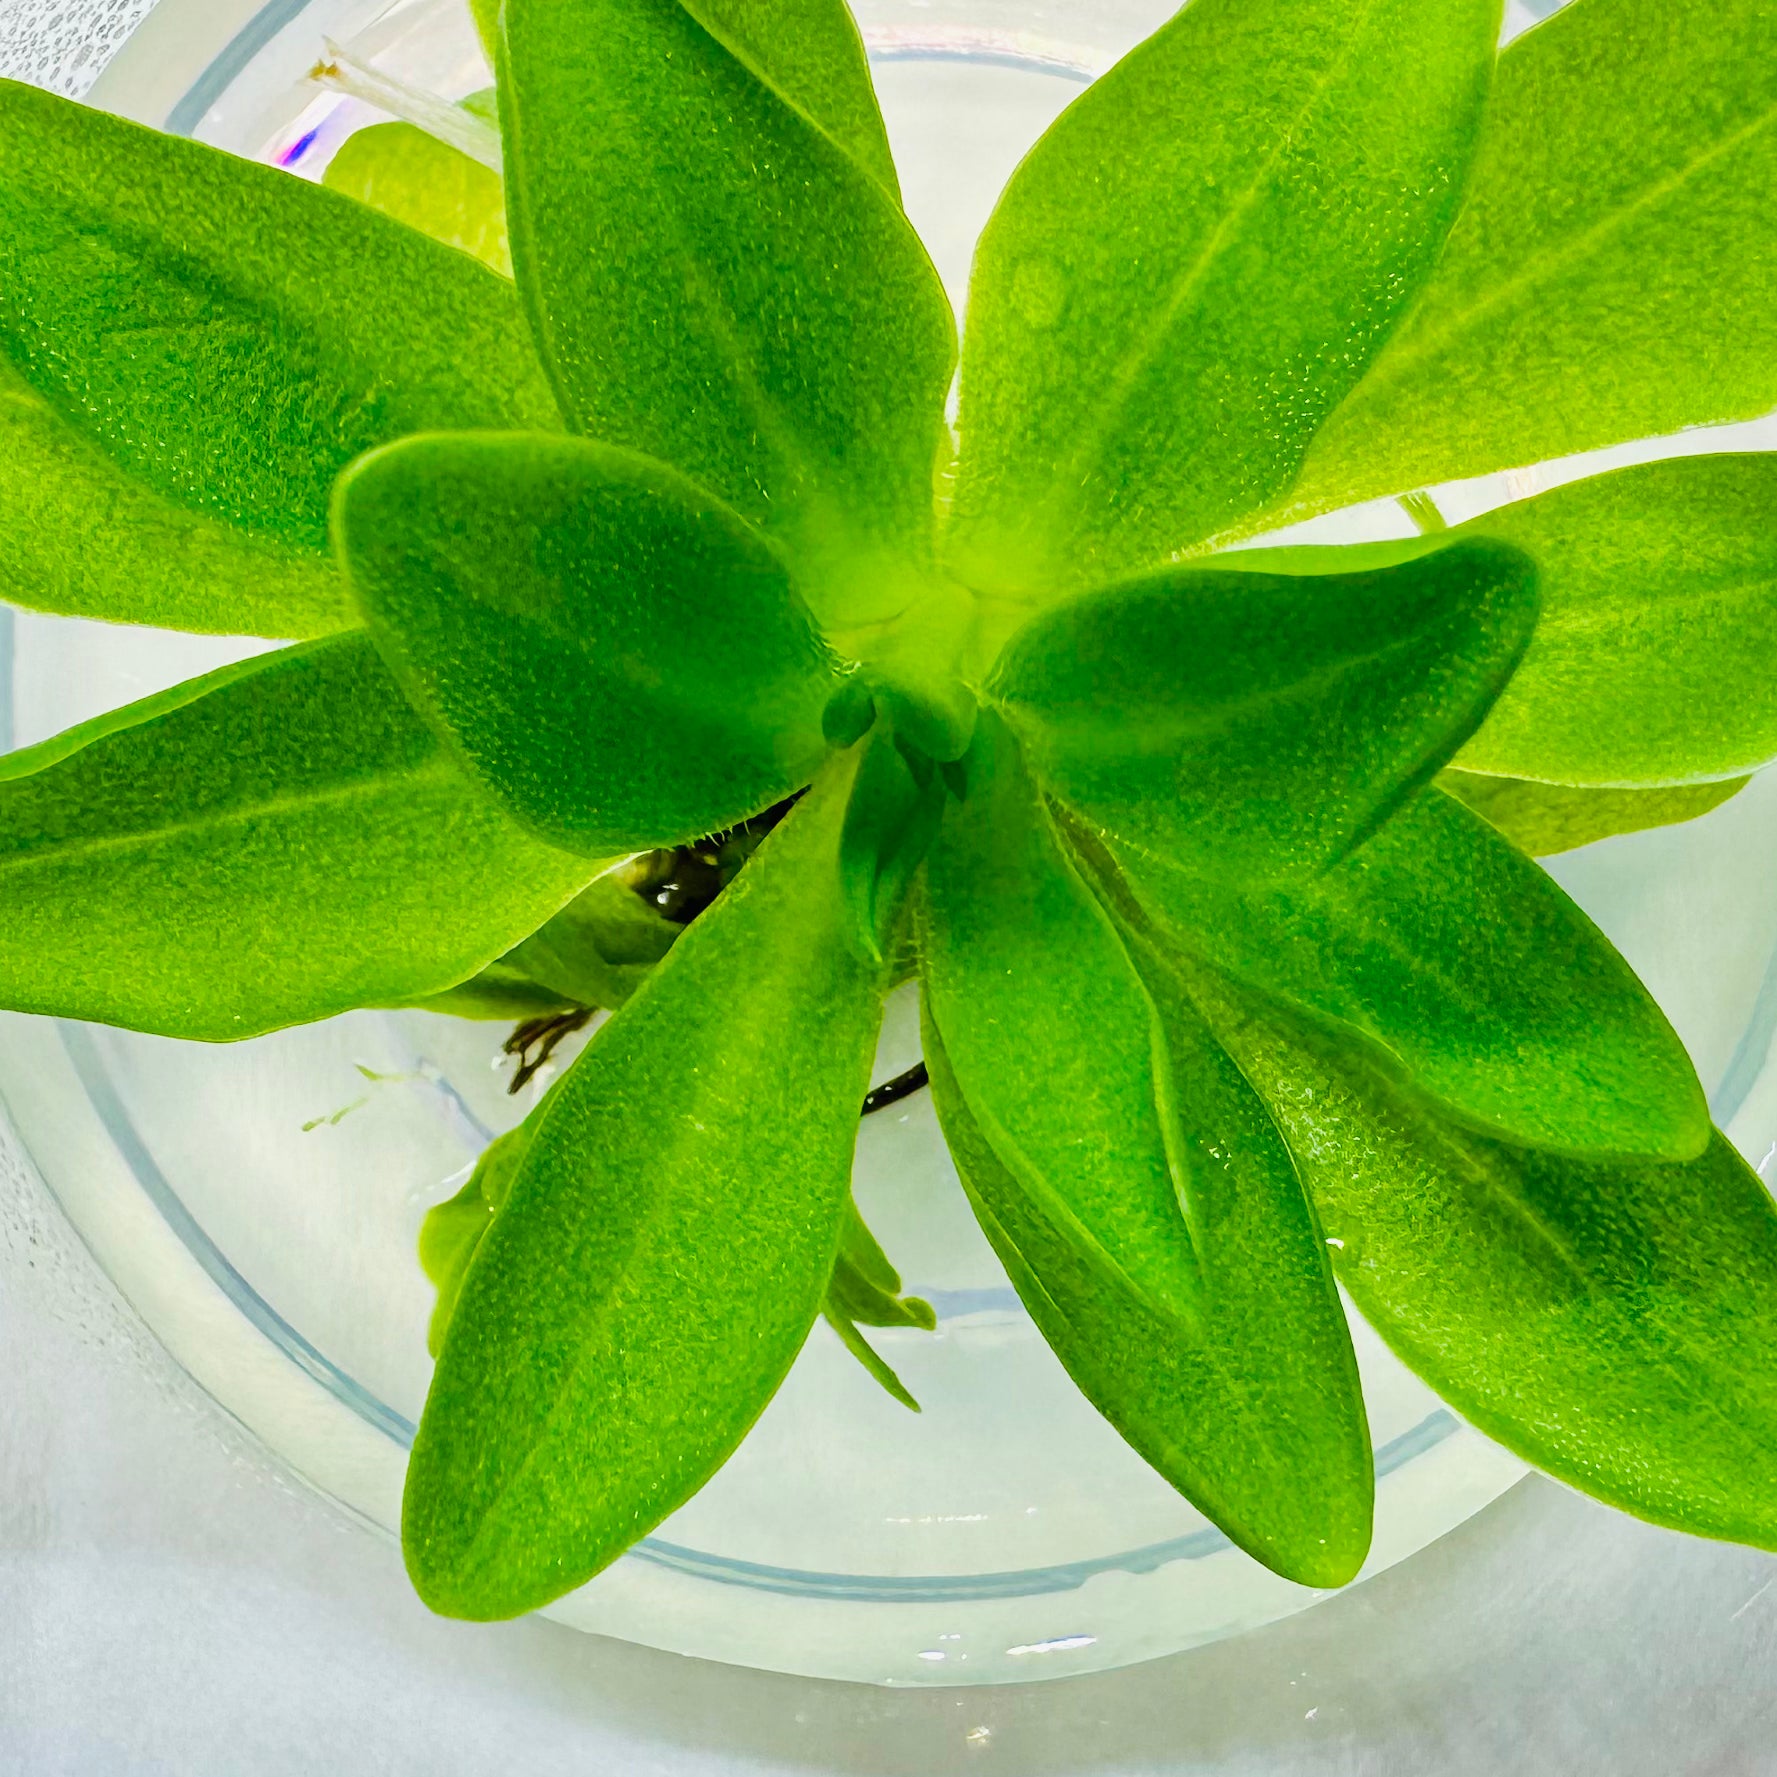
<point>173,1605</point>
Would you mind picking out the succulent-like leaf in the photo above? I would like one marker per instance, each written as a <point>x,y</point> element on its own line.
<point>889,824</point>
<point>1614,272</point>
<point>615,654</point>
<point>1611,1322</point>
<point>663,1250</point>
<point>1473,973</point>
<point>194,346</point>
<point>1251,1409</point>
<point>865,1291</point>
<point>411,175</point>
<point>1192,268</point>
<point>716,281</point>
<point>1543,819</point>
<point>277,842</point>
<point>600,948</point>
<point>452,1232</point>
<point>1262,715</point>
<point>1659,601</point>
<point>1053,1039</point>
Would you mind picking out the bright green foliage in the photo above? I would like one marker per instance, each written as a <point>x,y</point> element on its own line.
<point>1252,1410</point>
<point>663,1250</point>
<point>1610,1322</point>
<point>205,343</point>
<point>277,842</point>
<point>865,1291</point>
<point>610,650</point>
<point>896,803</point>
<point>1053,1039</point>
<point>1614,272</point>
<point>1651,660</point>
<point>1542,819</point>
<point>417,179</point>
<point>1167,712</point>
<point>452,1231</point>
<point>1192,268</point>
<point>1204,947</point>
<point>715,282</point>
<point>1471,970</point>
<point>600,948</point>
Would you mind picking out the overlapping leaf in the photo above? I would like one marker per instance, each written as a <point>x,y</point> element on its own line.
<point>619,658</point>
<point>1258,717</point>
<point>1543,819</point>
<point>1650,662</point>
<point>193,347</point>
<point>1192,268</point>
<point>278,842</point>
<point>1610,1322</point>
<point>1614,272</point>
<point>716,281</point>
<point>1470,969</point>
<point>1252,1410</point>
<point>663,1249</point>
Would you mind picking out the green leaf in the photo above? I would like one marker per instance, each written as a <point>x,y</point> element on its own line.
<point>452,1232</point>
<point>601,947</point>
<point>194,346</point>
<point>501,992</point>
<point>1253,1411</point>
<point>1048,1029</point>
<point>1542,819</point>
<point>865,1290</point>
<point>664,1249</point>
<point>1613,274</point>
<point>1659,601</point>
<point>889,825</point>
<point>1261,716</point>
<point>486,14</point>
<point>1470,970</point>
<point>415,178</point>
<point>616,655</point>
<point>1192,268</point>
<point>717,283</point>
<point>1611,1322</point>
<point>273,843</point>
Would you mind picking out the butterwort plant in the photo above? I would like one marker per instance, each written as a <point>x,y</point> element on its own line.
<point>663,557</point>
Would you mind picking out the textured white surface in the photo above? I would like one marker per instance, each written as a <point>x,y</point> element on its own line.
<point>64,44</point>
<point>172,1605</point>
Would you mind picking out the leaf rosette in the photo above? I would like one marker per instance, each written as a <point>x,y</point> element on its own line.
<point>670,653</point>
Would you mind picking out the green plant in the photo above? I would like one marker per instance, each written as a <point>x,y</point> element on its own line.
<point>594,575</point>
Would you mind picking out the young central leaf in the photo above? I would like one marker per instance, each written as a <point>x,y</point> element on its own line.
<point>1248,721</point>
<point>281,841</point>
<point>611,650</point>
<point>717,282</point>
<point>663,1250</point>
<point>1192,268</point>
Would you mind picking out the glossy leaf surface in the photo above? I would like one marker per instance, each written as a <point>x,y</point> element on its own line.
<point>716,282</point>
<point>1650,662</point>
<point>277,842</point>
<point>1252,1412</point>
<point>1249,721</point>
<point>415,178</point>
<point>600,948</point>
<point>618,657</point>
<point>1611,1322</point>
<point>1480,980</point>
<point>663,1250</point>
<point>1543,819</point>
<point>1613,274</point>
<point>1192,268</point>
<point>206,343</point>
